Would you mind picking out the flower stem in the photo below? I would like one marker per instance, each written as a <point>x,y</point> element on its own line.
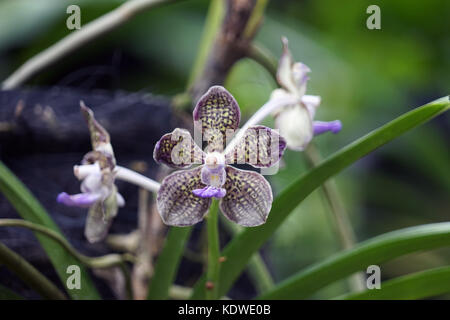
<point>339,215</point>
<point>257,269</point>
<point>137,179</point>
<point>29,274</point>
<point>109,260</point>
<point>264,57</point>
<point>213,270</point>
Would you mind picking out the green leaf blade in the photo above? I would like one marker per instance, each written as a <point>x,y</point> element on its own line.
<point>30,209</point>
<point>8,294</point>
<point>168,262</point>
<point>419,285</point>
<point>374,251</point>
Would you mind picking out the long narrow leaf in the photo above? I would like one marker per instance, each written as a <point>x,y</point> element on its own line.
<point>7,294</point>
<point>419,285</point>
<point>29,274</point>
<point>242,247</point>
<point>374,251</point>
<point>30,209</point>
<point>167,263</point>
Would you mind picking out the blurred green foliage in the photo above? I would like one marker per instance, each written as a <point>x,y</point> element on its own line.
<point>365,78</point>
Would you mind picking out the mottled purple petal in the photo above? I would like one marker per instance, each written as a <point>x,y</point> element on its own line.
<point>176,202</point>
<point>177,150</point>
<point>216,112</point>
<point>82,200</point>
<point>99,136</point>
<point>100,217</point>
<point>260,147</point>
<point>323,126</point>
<point>248,199</point>
<point>210,192</point>
<point>105,159</point>
<point>284,71</point>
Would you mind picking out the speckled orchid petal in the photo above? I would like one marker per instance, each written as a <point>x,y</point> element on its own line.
<point>100,139</point>
<point>248,199</point>
<point>295,126</point>
<point>100,217</point>
<point>260,147</point>
<point>178,150</point>
<point>176,202</point>
<point>216,112</point>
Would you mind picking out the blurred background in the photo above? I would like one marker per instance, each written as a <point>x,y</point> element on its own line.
<point>365,78</point>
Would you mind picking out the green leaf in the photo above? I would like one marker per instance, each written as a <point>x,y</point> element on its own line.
<point>242,247</point>
<point>374,251</point>
<point>30,209</point>
<point>167,263</point>
<point>29,274</point>
<point>420,285</point>
<point>7,294</point>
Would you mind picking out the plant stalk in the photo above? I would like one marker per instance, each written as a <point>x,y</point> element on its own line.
<point>29,274</point>
<point>341,221</point>
<point>257,269</point>
<point>138,179</point>
<point>213,270</point>
<point>107,261</point>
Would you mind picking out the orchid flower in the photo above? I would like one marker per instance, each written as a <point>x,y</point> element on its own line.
<point>97,174</point>
<point>296,121</point>
<point>245,196</point>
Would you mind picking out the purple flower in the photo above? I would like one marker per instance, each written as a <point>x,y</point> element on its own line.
<point>245,196</point>
<point>296,122</point>
<point>99,192</point>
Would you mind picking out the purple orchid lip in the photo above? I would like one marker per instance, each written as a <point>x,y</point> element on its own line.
<point>209,192</point>
<point>324,126</point>
<point>82,200</point>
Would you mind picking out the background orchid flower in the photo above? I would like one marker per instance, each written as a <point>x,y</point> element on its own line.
<point>245,196</point>
<point>99,192</point>
<point>296,122</point>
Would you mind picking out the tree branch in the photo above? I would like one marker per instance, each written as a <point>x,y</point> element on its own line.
<point>239,26</point>
<point>77,39</point>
